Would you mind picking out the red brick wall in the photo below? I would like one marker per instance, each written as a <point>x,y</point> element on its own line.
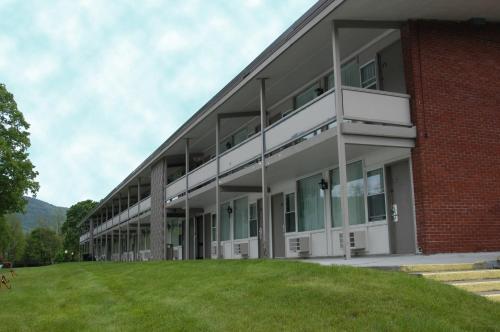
<point>453,77</point>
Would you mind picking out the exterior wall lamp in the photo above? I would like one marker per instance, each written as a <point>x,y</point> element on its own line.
<point>229,210</point>
<point>323,184</point>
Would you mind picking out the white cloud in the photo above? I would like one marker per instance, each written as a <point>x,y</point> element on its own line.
<point>252,3</point>
<point>172,41</point>
<point>104,83</point>
<point>40,68</point>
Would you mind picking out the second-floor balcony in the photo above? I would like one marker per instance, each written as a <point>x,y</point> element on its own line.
<point>139,208</point>
<point>360,106</point>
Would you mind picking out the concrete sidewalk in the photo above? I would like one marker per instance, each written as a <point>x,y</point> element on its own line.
<point>394,261</point>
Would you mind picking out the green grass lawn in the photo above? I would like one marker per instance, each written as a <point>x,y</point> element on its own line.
<point>235,296</point>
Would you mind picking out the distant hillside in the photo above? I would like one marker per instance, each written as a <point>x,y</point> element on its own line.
<point>40,213</point>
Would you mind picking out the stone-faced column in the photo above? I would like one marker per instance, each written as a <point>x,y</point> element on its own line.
<point>157,210</point>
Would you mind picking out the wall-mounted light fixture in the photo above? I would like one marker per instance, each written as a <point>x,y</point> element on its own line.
<point>323,184</point>
<point>229,210</point>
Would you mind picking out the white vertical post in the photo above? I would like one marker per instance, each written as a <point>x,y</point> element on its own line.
<point>112,243</point>
<point>217,188</point>
<point>339,109</point>
<point>120,222</point>
<point>101,247</point>
<point>164,207</point>
<point>119,243</point>
<point>186,225</point>
<point>204,237</point>
<point>128,223</point>
<point>138,217</point>
<point>263,123</point>
<point>106,246</point>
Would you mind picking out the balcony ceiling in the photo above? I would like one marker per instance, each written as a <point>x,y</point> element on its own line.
<point>310,57</point>
<point>402,10</point>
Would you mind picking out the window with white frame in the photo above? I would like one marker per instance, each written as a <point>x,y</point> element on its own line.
<point>214,227</point>
<point>240,229</point>
<point>234,140</point>
<point>290,212</point>
<point>175,226</point>
<point>349,75</point>
<point>225,222</point>
<point>355,195</point>
<point>306,96</point>
<point>310,203</point>
<point>369,75</point>
<point>252,219</point>
<point>376,195</point>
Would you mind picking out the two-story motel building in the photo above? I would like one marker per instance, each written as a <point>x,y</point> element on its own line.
<point>373,121</point>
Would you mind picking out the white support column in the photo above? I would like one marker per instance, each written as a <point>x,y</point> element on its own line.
<point>107,218</point>
<point>138,217</point>
<point>164,207</point>
<point>99,241</point>
<point>112,243</point>
<point>186,225</point>
<point>217,188</point>
<point>339,109</point>
<point>120,223</point>
<point>263,124</point>
<point>91,238</point>
<point>119,243</point>
<point>106,245</point>
<point>112,217</point>
<point>101,247</point>
<point>128,223</point>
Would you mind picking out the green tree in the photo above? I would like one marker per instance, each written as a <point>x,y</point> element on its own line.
<point>17,173</point>
<point>42,246</point>
<point>70,229</point>
<point>14,250</point>
<point>4,237</point>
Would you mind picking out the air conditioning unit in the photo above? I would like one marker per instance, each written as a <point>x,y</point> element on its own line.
<point>357,240</point>
<point>221,250</point>
<point>177,253</point>
<point>299,245</point>
<point>241,249</point>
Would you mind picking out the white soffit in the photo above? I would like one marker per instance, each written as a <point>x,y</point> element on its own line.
<point>402,10</point>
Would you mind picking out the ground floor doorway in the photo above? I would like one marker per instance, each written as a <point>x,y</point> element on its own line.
<point>400,207</point>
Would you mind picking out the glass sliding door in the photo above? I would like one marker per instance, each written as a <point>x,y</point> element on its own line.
<point>225,223</point>
<point>175,230</point>
<point>214,227</point>
<point>355,195</point>
<point>290,212</point>
<point>252,215</point>
<point>310,201</point>
<point>241,218</point>
<point>350,76</point>
<point>376,195</point>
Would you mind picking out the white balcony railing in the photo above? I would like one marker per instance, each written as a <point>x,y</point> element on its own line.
<point>203,173</point>
<point>311,116</point>
<point>359,104</point>
<point>84,237</point>
<point>240,154</point>
<point>376,106</point>
<point>145,205</point>
<point>177,187</point>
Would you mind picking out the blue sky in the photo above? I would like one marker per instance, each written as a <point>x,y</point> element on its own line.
<point>103,83</point>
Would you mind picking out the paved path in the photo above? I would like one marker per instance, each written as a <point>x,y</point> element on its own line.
<point>389,261</point>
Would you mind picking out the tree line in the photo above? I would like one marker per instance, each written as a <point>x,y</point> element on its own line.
<point>42,245</point>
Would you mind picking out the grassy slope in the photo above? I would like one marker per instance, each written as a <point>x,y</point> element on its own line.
<point>235,295</point>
